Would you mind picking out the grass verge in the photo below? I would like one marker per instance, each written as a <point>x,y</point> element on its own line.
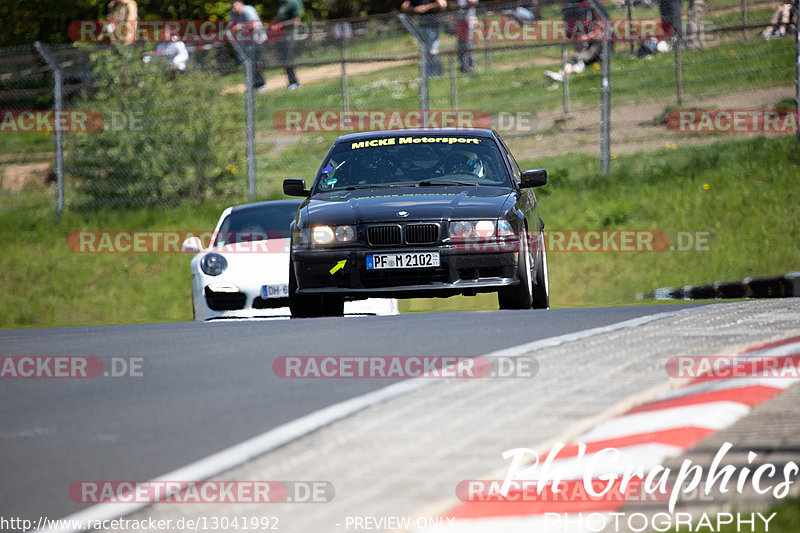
<point>741,192</point>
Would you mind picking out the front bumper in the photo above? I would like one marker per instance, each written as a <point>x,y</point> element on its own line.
<point>458,272</point>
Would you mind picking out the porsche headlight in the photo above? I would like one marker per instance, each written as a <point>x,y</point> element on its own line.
<point>328,234</point>
<point>471,229</point>
<point>213,264</point>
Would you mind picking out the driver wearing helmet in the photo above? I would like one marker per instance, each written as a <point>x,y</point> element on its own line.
<point>463,163</point>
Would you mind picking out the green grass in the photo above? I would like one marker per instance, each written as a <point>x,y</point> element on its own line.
<point>750,209</point>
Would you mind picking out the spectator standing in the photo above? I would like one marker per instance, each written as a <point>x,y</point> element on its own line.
<point>286,22</point>
<point>671,12</point>
<point>466,22</point>
<point>122,20</point>
<point>429,28</point>
<point>249,33</point>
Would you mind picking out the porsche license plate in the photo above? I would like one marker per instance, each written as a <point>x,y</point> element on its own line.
<point>403,260</point>
<point>275,291</point>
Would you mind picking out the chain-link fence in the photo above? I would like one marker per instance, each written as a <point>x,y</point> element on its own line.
<point>143,130</point>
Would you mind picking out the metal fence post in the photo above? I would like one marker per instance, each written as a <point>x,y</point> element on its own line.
<point>629,4</point>
<point>453,83</point>
<point>797,76</point>
<point>423,64</point>
<point>744,19</point>
<point>58,104</point>
<point>249,119</point>
<point>605,109</point>
<point>345,98</point>
<point>487,44</point>
<point>565,85</point>
<point>679,69</point>
<point>605,91</point>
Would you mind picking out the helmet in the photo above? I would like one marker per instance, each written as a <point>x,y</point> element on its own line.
<point>463,163</point>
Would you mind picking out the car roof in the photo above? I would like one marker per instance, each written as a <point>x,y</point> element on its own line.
<point>418,131</point>
<point>259,205</point>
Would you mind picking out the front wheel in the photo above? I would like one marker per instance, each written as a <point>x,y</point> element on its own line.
<point>541,292</point>
<point>519,296</point>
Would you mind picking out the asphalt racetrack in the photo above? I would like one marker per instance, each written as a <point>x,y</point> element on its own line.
<point>207,387</point>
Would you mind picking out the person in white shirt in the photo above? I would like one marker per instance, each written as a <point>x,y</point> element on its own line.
<point>173,50</point>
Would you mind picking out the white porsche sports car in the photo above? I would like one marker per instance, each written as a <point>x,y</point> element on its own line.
<point>244,273</point>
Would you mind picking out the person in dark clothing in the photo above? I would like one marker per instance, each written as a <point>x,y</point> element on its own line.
<point>581,27</point>
<point>429,28</point>
<point>286,22</point>
<point>671,12</point>
<point>247,17</point>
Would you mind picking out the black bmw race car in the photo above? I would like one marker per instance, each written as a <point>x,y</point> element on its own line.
<point>417,213</point>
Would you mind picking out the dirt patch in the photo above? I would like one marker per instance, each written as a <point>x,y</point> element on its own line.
<point>633,126</point>
<point>15,177</point>
<point>324,72</point>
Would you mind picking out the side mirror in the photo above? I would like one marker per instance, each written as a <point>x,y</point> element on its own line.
<point>295,187</point>
<point>533,178</point>
<point>192,245</point>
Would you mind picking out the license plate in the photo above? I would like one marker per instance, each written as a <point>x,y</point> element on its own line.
<point>403,260</point>
<point>275,291</point>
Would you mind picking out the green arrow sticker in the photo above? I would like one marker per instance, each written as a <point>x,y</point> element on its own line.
<point>339,266</point>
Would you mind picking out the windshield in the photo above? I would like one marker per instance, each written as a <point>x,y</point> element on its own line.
<point>415,160</point>
<point>256,224</point>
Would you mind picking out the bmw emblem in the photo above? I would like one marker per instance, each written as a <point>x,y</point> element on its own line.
<point>402,214</point>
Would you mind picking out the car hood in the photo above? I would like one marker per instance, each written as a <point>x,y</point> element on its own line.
<point>426,203</point>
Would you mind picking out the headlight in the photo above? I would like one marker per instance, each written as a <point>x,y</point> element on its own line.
<point>322,234</point>
<point>345,233</point>
<point>328,234</point>
<point>504,228</point>
<point>213,264</point>
<point>471,229</point>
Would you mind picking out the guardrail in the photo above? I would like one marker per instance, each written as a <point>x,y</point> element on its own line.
<point>786,286</point>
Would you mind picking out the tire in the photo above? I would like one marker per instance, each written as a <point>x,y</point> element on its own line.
<point>332,305</point>
<point>541,291</point>
<point>301,305</point>
<point>519,296</point>
<point>311,306</point>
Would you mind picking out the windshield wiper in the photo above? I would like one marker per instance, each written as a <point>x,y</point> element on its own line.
<point>444,183</point>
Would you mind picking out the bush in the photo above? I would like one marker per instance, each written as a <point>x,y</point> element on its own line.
<point>164,139</point>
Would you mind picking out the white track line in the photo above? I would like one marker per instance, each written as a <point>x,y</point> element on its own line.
<point>240,453</point>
